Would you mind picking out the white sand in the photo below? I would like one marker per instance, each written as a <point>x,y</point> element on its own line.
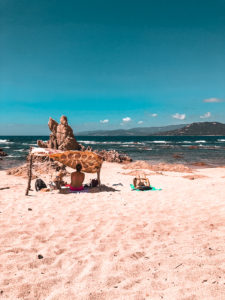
<point>119,244</point>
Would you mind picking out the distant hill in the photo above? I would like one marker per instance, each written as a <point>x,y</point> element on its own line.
<point>201,128</point>
<point>140,131</point>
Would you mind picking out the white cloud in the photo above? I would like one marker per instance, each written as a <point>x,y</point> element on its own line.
<point>206,115</point>
<point>140,122</point>
<point>154,115</point>
<point>212,100</point>
<point>104,121</point>
<point>179,116</point>
<point>127,119</point>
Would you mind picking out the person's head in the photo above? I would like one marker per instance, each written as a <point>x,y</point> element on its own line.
<point>78,167</point>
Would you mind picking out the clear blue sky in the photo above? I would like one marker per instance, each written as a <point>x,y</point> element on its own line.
<point>150,61</point>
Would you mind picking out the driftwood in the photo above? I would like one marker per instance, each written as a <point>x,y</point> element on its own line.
<point>29,173</point>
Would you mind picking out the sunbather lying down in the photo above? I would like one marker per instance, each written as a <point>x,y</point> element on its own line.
<point>141,182</point>
<point>77,179</point>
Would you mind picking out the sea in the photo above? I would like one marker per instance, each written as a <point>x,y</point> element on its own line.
<point>154,149</point>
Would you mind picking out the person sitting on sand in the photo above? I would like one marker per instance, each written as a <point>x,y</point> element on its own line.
<point>77,179</point>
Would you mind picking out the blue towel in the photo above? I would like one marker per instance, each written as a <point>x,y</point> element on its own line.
<point>152,188</point>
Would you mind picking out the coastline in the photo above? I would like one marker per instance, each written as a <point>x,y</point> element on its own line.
<point>163,149</point>
<point>115,243</point>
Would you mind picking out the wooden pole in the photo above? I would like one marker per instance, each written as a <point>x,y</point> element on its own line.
<point>98,177</point>
<point>29,173</point>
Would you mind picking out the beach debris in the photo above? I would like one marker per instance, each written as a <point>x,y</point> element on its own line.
<point>178,266</point>
<point>61,136</point>
<point>5,188</point>
<point>29,209</point>
<point>40,256</point>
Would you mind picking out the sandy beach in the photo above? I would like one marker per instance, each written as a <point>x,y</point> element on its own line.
<point>115,243</point>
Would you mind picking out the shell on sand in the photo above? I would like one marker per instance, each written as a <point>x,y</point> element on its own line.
<point>90,161</point>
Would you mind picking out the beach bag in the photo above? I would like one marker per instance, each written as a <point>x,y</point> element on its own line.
<point>94,183</point>
<point>39,184</point>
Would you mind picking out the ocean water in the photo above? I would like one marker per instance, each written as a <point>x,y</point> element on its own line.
<point>155,149</point>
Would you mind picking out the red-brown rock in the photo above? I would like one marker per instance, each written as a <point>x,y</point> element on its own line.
<point>61,136</point>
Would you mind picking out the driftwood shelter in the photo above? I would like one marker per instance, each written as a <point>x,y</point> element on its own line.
<point>90,161</point>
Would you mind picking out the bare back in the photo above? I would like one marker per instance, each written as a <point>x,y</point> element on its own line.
<point>77,178</point>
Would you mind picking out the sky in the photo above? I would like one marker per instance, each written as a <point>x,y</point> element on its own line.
<point>110,64</point>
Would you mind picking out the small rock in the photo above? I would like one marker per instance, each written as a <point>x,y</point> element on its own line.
<point>40,256</point>
<point>29,209</point>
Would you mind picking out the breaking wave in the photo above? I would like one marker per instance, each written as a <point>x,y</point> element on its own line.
<point>160,142</point>
<point>5,142</point>
<point>21,150</point>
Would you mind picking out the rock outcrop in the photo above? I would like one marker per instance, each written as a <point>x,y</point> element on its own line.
<point>41,166</point>
<point>114,156</point>
<point>109,156</point>
<point>2,153</point>
<point>61,136</point>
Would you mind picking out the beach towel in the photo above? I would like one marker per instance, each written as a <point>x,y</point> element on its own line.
<point>152,188</point>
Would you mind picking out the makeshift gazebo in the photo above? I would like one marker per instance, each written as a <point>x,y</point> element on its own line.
<point>90,161</point>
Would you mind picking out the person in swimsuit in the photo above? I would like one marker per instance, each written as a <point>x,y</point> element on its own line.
<point>77,178</point>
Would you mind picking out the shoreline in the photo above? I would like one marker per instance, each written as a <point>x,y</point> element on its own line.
<point>184,150</point>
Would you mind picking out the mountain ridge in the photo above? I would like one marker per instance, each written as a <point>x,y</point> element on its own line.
<point>138,131</point>
<point>196,128</point>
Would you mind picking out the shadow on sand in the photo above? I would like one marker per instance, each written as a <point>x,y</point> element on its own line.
<point>100,189</point>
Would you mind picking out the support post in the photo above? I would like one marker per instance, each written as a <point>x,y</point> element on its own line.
<point>98,177</point>
<point>29,173</point>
